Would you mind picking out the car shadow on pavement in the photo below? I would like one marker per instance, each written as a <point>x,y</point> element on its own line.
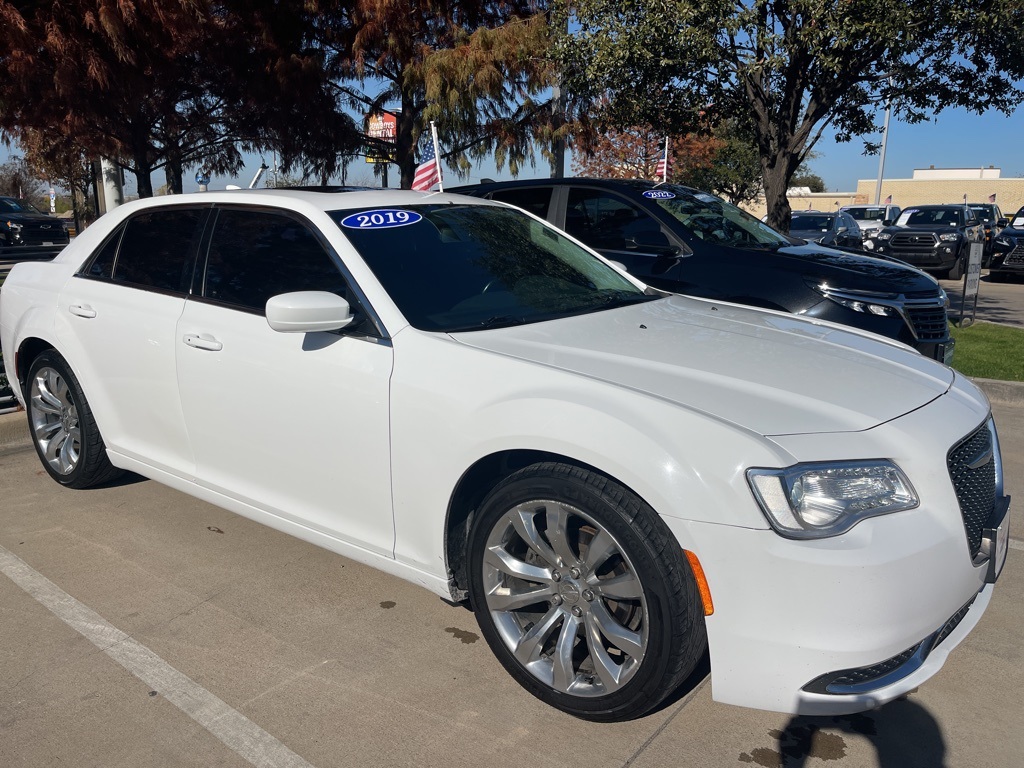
<point>128,478</point>
<point>903,734</point>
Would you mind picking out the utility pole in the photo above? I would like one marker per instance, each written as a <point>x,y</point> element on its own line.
<point>881,159</point>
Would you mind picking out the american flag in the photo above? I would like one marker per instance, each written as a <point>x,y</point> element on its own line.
<point>428,172</point>
<point>664,166</point>
<point>888,200</point>
<point>992,198</point>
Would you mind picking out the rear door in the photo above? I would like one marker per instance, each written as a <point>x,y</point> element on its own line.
<point>116,322</point>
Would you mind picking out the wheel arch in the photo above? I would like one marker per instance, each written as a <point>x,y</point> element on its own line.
<point>475,483</point>
<point>29,349</point>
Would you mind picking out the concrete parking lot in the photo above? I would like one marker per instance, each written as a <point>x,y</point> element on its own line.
<point>141,627</point>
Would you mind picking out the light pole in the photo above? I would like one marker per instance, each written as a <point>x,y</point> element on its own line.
<point>881,159</point>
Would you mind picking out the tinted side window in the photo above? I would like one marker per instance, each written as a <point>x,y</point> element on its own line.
<point>158,249</point>
<point>608,222</point>
<point>102,265</point>
<point>254,255</point>
<point>536,200</point>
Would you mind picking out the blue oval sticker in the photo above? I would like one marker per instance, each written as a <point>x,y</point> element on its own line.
<point>658,194</point>
<point>382,218</point>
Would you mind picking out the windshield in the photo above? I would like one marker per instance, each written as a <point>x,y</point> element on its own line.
<point>713,220</point>
<point>930,217</point>
<point>805,222</point>
<point>866,214</point>
<point>984,212</point>
<point>10,205</point>
<point>470,267</point>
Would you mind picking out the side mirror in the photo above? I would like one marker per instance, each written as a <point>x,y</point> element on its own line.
<point>1003,222</point>
<point>843,229</point>
<point>654,243</point>
<point>308,312</point>
<point>886,222</point>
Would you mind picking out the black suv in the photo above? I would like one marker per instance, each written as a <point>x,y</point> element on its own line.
<point>838,229</point>
<point>936,238</point>
<point>27,231</point>
<point>1008,251</point>
<point>687,241</point>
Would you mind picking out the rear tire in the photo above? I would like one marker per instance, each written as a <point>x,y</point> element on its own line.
<point>583,593</point>
<point>63,429</point>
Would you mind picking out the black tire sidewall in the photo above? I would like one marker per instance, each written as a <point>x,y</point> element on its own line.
<point>644,690</point>
<point>77,477</point>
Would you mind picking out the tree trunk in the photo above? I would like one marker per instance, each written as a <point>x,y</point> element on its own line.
<point>173,172</point>
<point>405,142</point>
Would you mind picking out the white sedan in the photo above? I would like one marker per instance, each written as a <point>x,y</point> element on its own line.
<point>452,391</point>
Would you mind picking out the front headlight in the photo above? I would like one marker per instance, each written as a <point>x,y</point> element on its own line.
<point>883,236</point>
<point>12,226</point>
<point>814,501</point>
<point>864,303</point>
<point>949,236</point>
<point>1004,241</point>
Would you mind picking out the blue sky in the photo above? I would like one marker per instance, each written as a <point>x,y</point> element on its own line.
<point>953,139</point>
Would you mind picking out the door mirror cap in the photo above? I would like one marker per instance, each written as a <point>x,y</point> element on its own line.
<point>887,222</point>
<point>1003,222</point>
<point>308,312</point>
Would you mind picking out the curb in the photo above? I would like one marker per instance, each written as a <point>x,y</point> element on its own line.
<point>1002,392</point>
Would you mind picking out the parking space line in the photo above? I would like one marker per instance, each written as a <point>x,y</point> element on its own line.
<point>229,726</point>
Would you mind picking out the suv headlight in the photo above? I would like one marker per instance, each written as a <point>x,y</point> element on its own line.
<point>858,302</point>
<point>815,501</point>
<point>947,236</point>
<point>882,235</point>
<point>1004,241</point>
<point>12,226</point>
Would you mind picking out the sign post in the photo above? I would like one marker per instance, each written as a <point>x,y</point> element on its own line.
<point>382,126</point>
<point>972,282</point>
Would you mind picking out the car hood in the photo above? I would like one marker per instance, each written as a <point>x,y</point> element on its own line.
<point>922,230</point>
<point>855,271</point>
<point>808,234</point>
<point>769,372</point>
<point>30,218</point>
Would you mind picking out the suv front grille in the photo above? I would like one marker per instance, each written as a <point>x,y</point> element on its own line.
<point>1016,256</point>
<point>913,243</point>
<point>929,322</point>
<point>974,481</point>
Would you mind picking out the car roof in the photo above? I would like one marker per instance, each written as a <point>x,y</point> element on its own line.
<point>322,198</point>
<point>620,184</point>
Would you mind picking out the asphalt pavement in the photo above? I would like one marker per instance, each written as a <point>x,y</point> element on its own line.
<point>142,627</point>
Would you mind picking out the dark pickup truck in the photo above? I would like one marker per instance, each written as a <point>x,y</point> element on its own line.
<point>28,233</point>
<point>1008,251</point>
<point>686,241</point>
<point>936,238</point>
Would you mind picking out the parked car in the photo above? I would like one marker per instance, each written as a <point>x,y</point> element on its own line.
<point>687,241</point>
<point>871,218</point>
<point>837,229</point>
<point>992,220</point>
<point>936,238</point>
<point>460,395</point>
<point>1008,251</point>
<point>27,231</point>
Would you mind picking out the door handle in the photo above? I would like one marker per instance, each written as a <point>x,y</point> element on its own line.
<point>203,341</point>
<point>82,310</point>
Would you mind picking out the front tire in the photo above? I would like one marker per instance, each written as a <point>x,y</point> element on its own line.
<point>583,593</point>
<point>63,429</point>
<point>957,270</point>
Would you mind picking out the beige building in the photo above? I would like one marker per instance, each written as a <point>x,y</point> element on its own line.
<point>928,185</point>
<point>948,185</point>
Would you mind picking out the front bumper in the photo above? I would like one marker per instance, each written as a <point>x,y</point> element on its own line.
<point>875,611</point>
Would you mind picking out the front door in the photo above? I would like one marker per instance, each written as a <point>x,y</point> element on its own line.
<point>296,425</point>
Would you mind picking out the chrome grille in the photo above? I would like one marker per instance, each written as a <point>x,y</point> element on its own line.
<point>974,481</point>
<point>1016,256</point>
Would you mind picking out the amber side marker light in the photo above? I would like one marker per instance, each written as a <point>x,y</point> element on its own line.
<point>702,582</point>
